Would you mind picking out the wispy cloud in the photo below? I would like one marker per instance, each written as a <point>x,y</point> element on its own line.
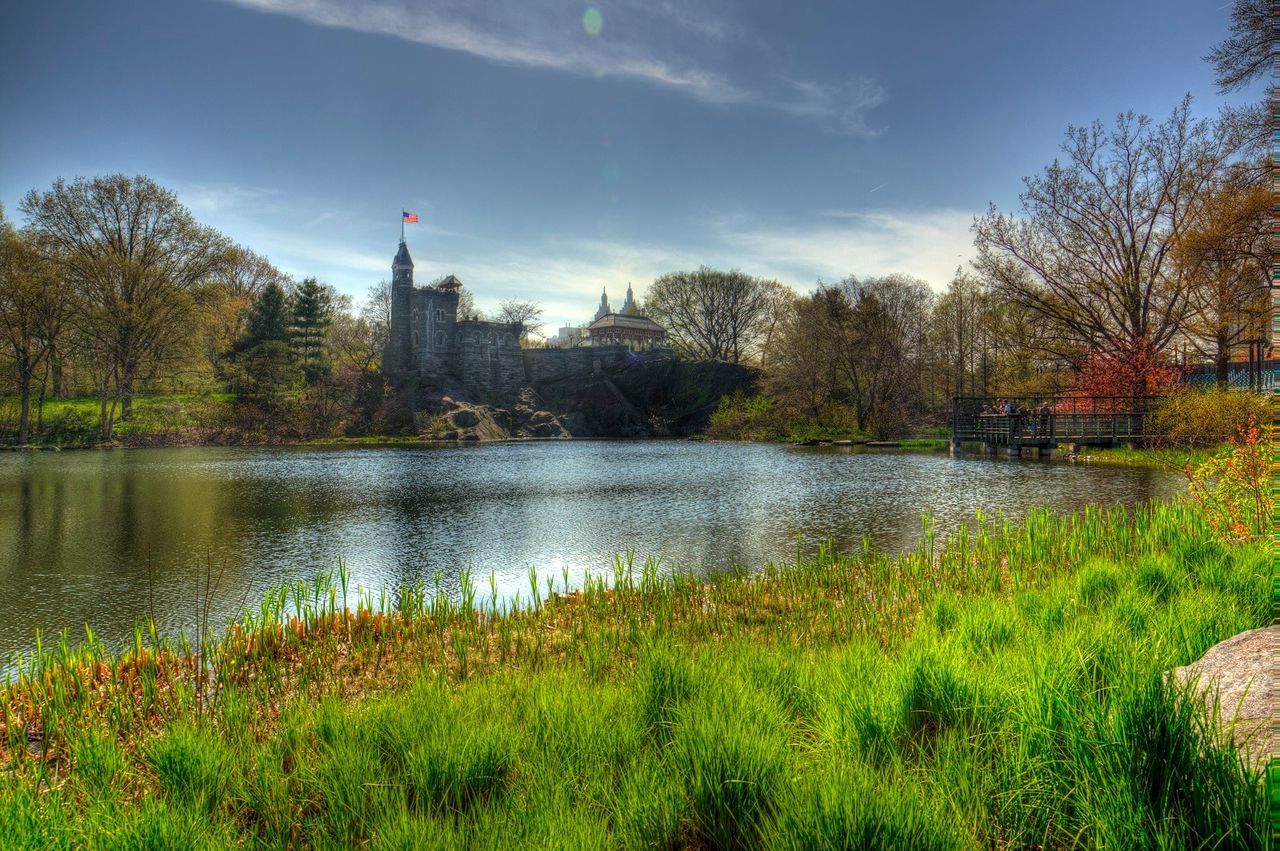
<point>565,274</point>
<point>645,41</point>
<point>847,103</point>
<point>927,244</point>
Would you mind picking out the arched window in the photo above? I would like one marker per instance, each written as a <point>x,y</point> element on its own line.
<point>491,338</point>
<point>415,339</point>
<point>439,339</point>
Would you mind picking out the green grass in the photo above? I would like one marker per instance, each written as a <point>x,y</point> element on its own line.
<point>1003,690</point>
<point>156,419</point>
<point>1162,457</point>
<point>925,444</point>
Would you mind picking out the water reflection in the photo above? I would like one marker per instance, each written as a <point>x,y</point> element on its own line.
<point>104,537</point>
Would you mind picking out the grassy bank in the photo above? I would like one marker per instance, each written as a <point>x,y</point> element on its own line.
<point>159,420</point>
<point>1165,458</point>
<point>1004,690</point>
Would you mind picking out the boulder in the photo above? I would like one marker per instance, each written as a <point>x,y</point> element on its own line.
<point>1239,673</point>
<point>464,418</point>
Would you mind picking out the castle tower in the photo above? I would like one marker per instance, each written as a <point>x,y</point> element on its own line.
<point>396,357</point>
<point>629,305</point>
<point>604,305</point>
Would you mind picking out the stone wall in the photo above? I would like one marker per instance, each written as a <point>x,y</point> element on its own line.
<point>488,358</point>
<point>544,365</point>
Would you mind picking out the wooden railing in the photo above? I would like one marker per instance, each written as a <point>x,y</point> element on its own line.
<point>1042,420</point>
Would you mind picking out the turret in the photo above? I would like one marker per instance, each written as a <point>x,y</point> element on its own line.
<point>396,357</point>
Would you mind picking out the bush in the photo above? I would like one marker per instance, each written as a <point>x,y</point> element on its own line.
<point>1206,418</point>
<point>741,417</point>
<point>1232,489</point>
<point>70,427</point>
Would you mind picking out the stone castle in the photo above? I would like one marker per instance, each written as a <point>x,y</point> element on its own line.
<point>445,353</point>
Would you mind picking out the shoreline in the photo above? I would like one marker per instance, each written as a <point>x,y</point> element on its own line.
<point>930,659</point>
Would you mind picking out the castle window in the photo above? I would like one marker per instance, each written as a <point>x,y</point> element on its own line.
<point>439,339</point>
<point>415,339</point>
<point>439,315</point>
<point>491,338</point>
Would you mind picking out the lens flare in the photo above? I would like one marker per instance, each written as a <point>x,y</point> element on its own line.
<point>592,21</point>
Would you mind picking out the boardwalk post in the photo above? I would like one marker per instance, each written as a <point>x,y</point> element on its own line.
<point>955,425</point>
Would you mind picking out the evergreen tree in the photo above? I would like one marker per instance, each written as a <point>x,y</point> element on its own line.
<point>265,364</point>
<point>312,312</point>
<point>267,321</point>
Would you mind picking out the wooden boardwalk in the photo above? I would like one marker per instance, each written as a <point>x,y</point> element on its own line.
<point>1087,421</point>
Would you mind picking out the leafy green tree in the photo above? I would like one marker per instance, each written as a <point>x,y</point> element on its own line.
<point>33,307</point>
<point>312,313</point>
<point>133,255</point>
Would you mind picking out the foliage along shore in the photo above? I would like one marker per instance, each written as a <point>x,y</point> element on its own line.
<point>1002,689</point>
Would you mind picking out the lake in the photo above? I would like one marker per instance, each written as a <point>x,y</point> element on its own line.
<point>104,536</point>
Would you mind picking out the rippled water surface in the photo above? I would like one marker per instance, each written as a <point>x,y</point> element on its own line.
<point>101,537</point>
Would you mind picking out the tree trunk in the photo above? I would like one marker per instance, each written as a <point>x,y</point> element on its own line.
<point>55,358</point>
<point>44,386</point>
<point>24,410</point>
<point>1222,362</point>
<point>126,399</point>
<point>103,421</point>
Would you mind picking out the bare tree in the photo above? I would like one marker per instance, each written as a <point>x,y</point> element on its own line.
<point>133,254</point>
<point>526,314</point>
<point>1248,53</point>
<point>958,320</point>
<point>882,328</point>
<point>860,346</point>
<point>1090,256</point>
<point>245,274</point>
<point>33,307</point>
<point>376,311</point>
<point>801,370</point>
<point>708,314</point>
<point>1226,254</point>
<point>779,300</point>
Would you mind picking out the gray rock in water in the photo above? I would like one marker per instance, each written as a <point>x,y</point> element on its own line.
<point>1240,673</point>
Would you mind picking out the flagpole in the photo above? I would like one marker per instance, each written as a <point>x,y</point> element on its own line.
<point>402,224</point>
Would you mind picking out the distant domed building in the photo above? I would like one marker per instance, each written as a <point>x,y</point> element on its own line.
<point>624,328</point>
<point>634,332</point>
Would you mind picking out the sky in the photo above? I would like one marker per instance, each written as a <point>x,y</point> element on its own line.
<point>554,148</point>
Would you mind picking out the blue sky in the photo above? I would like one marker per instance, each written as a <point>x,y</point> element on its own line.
<point>552,148</point>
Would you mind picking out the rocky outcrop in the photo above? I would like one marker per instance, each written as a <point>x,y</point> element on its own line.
<point>451,419</point>
<point>652,397</point>
<point>1239,673</point>
<point>647,394</point>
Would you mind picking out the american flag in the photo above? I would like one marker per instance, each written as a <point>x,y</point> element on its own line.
<point>411,218</point>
